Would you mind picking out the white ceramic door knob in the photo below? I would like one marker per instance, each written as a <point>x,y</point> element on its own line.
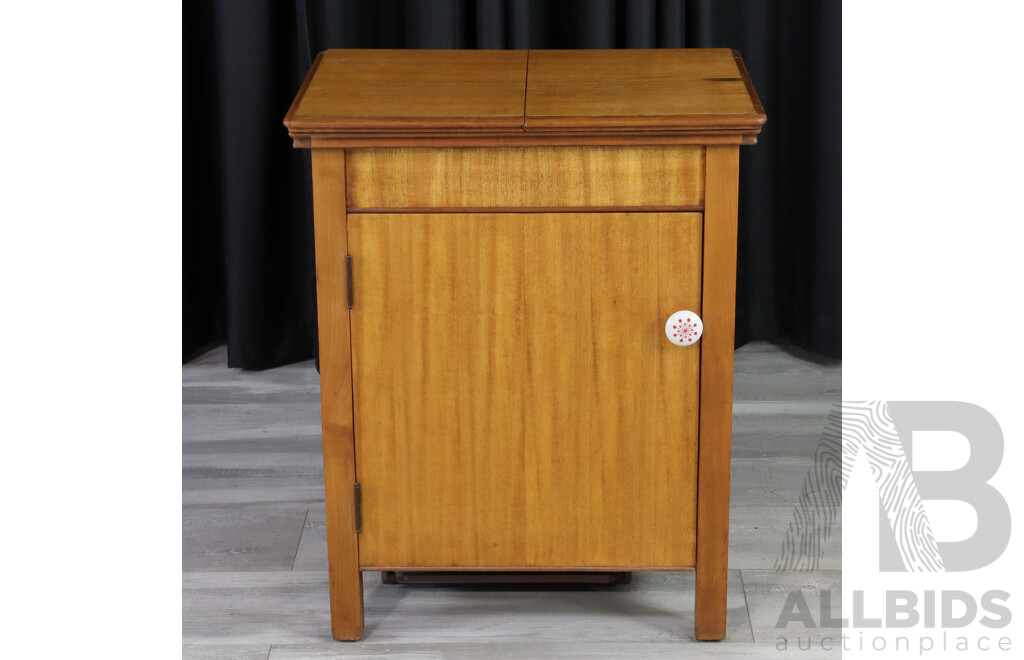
<point>684,328</point>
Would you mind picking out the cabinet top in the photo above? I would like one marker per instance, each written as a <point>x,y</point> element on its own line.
<point>492,97</point>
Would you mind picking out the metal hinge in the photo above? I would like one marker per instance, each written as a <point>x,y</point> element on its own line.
<point>348,278</point>
<point>359,509</point>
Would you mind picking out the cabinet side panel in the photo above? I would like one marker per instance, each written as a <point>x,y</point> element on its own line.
<point>336,392</point>
<point>717,346</point>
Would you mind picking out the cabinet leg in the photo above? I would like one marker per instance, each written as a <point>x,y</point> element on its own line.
<point>710,605</point>
<point>716,368</point>
<point>347,605</point>
<point>346,580</point>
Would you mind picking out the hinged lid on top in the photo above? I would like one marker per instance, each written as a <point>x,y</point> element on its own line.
<point>473,97</point>
<point>353,92</point>
<point>658,90</point>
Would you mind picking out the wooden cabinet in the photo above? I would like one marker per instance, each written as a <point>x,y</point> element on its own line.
<point>501,237</point>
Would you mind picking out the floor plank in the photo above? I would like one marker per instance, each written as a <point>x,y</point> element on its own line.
<point>225,652</point>
<point>767,593</point>
<point>266,607</point>
<point>230,421</point>
<point>241,537</point>
<point>576,650</point>
<point>312,552</point>
<point>240,473</point>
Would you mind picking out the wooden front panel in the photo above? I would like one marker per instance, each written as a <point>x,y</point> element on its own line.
<point>504,177</point>
<point>516,401</point>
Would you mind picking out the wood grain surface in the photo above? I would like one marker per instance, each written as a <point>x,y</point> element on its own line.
<point>516,400</point>
<point>563,177</point>
<point>474,98</point>
<point>336,393</point>
<point>720,227</point>
<point>635,88</point>
<point>370,89</point>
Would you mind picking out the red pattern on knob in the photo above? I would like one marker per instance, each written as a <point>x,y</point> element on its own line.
<point>684,328</point>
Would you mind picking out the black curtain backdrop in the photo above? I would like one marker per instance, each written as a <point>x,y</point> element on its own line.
<point>247,226</point>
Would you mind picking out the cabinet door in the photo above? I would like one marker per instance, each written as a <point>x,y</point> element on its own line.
<point>517,403</point>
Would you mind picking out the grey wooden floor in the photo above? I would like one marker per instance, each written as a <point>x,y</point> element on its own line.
<point>254,554</point>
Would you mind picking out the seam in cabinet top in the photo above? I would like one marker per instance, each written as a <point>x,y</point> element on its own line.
<point>367,97</point>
